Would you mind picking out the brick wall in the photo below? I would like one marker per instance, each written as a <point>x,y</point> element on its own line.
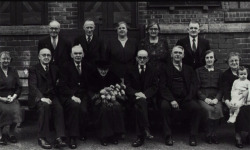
<point>226,28</point>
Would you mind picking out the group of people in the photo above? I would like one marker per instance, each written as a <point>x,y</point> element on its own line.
<point>67,87</point>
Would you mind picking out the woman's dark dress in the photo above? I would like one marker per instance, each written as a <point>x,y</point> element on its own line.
<point>109,120</point>
<point>9,112</point>
<point>243,119</point>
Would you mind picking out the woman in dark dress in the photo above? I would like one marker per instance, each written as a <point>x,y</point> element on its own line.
<point>157,47</point>
<point>121,51</point>
<point>210,95</point>
<point>109,120</point>
<point>243,119</point>
<point>10,89</point>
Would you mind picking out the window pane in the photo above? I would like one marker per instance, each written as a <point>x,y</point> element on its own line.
<point>4,13</point>
<point>32,12</point>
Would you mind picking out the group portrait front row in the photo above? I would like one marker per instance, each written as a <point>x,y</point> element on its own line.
<point>73,87</point>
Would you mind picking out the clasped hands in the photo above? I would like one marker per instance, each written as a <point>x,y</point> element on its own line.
<point>139,95</point>
<point>9,98</point>
<point>210,101</point>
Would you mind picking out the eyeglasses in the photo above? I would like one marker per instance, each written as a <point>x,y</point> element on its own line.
<point>142,57</point>
<point>52,28</point>
<point>44,55</point>
<point>153,29</point>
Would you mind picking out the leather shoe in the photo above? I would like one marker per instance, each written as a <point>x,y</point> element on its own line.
<point>238,143</point>
<point>114,141</point>
<point>11,139</point>
<point>3,141</point>
<point>138,142</point>
<point>192,140</point>
<point>209,139</point>
<point>148,134</point>
<point>104,142</point>
<point>215,139</point>
<point>59,143</point>
<point>44,143</point>
<point>72,143</point>
<point>169,141</point>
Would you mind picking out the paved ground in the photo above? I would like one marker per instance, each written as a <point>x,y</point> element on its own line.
<point>28,141</point>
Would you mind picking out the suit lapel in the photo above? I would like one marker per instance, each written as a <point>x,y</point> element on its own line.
<point>188,45</point>
<point>41,71</point>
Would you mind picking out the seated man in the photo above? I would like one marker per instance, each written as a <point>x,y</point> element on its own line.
<point>141,82</point>
<point>43,97</point>
<point>178,91</point>
<point>73,89</point>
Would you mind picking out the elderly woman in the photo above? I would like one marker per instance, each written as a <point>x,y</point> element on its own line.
<point>156,46</point>
<point>10,113</point>
<point>121,51</point>
<point>243,119</point>
<point>109,119</point>
<point>210,95</point>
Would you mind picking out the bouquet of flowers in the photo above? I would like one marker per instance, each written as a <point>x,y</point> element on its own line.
<point>109,95</point>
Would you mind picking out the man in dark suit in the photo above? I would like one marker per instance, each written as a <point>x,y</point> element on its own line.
<point>178,91</point>
<point>60,47</point>
<point>43,97</point>
<point>90,43</point>
<point>141,82</point>
<point>73,89</point>
<point>194,46</point>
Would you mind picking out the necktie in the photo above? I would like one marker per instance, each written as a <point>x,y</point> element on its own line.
<point>46,68</point>
<point>194,45</point>
<point>142,70</point>
<point>88,39</point>
<point>78,68</point>
<point>54,43</point>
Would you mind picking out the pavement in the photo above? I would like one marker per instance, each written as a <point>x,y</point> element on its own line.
<point>28,140</point>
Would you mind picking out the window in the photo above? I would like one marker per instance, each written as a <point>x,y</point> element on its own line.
<point>23,13</point>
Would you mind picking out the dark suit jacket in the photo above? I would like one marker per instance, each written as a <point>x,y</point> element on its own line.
<point>195,60</point>
<point>166,83</point>
<point>61,54</point>
<point>92,51</point>
<point>121,57</point>
<point>133,84</point>
<point>71,83</point>
<point>39,85</point>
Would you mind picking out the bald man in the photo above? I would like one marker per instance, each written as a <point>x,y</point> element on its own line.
<point>43,97</point>
<point>91,44</point>
<point>73,89</point>
<point>59,46</point>
<point>141,82</point>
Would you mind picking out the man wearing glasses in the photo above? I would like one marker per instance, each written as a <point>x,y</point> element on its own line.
<point>43,98</point>
<point>60,47</point>
<point>194,46</point>
<point>141,81</point>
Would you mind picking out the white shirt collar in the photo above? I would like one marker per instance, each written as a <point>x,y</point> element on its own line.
<point>191,40</point>
<point>177,65</point>
<point>44,66</point>
<point>77,64</point>
<point>144,67</point>
<point>51,39</point>
<point>91,37</point>
<point>210,69</point>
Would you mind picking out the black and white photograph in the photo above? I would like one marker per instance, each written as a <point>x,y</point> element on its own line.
<point>121,75</point>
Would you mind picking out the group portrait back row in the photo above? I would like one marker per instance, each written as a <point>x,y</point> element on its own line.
<point>73,84</point>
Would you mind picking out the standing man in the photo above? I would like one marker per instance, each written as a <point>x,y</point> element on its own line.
<point>43,97</point>
<point>194,46</point>
<point>91,44</point>
<point>141,81</point>
<point>60,47</point>
<point>178,91</point>
<point>73,88</point>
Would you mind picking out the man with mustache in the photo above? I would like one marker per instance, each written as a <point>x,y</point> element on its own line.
<point>177,87</point>
<point>43,97</point>
<point>194,46</point>
<point>73,89</point>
